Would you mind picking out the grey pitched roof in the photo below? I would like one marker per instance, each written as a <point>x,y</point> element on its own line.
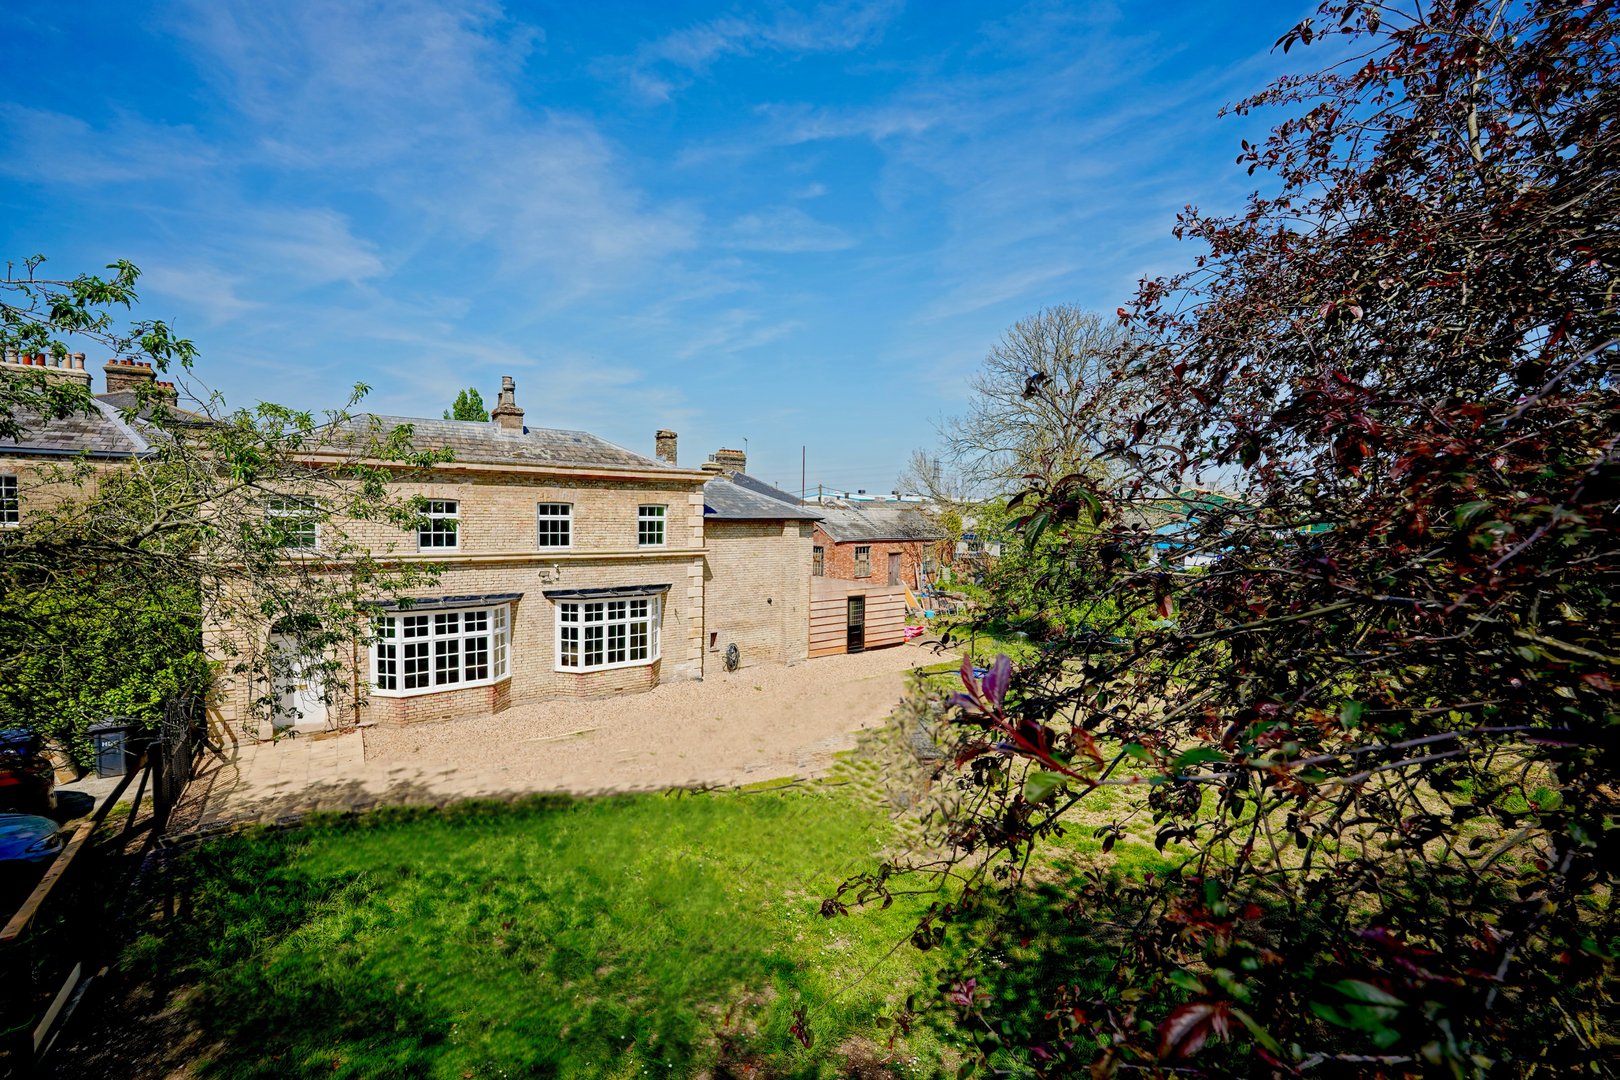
<point>846,524</point>
<point>98,433</point>
<point>742,498</point>
<point>129,403</point>
<point>489,443</point>
<point>742,479</point>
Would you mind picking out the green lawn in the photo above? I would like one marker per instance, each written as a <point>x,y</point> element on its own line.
<point>655,935</point>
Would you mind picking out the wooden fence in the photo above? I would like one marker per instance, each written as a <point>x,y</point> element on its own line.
<point>884,614</point>
<point>65,933</point>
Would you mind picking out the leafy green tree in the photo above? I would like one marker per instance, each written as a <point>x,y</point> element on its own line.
<point>118,570</point>
<point>1366,711</point>
<point>469,406</point>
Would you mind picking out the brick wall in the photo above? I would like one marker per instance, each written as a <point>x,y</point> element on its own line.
<point>44,483</point>
<point>840,558</point>
<point>533,641</point>
<point>444,705</point>
<point>757,591</point>
<point>497,515</point>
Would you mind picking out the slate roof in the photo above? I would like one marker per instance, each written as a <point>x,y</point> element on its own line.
<point>742,479</point>
<point>740,497</point>
<point>101,433</point>
<point>849,524</point>
<point>128,402</point>
<point>488,443</point>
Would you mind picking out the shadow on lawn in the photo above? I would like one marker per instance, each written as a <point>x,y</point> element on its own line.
<point>547,936</point>
<point>187,998</point>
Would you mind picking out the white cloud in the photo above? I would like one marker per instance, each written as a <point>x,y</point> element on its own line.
<point>308,247</point>
<point>52,148</point>
<point>785,229</point>
<point>733,331</point>
<point>208,291</point>
<point>668,64</point>
<point>354,84</point>
<point>414,102</point>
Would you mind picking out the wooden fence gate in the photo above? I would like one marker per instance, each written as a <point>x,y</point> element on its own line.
<point>65,933</point>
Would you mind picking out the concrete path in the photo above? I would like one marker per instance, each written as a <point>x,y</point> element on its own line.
<point>756,724</point>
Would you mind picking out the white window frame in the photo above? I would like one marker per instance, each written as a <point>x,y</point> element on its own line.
<point>647,514</point>
<point>300,510</point>
<point>10,502</point>
<point>391,635</point>
<point>574,616</point>
<point>859,560</point>
<point>567,519</point>
<point>440,515</point>
<point>818,561</point>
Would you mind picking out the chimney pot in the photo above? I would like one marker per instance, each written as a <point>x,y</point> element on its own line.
<point>58,369</point>
<point>127,374</point>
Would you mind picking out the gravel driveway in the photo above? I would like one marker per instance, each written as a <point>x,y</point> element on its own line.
<point>754,724</point>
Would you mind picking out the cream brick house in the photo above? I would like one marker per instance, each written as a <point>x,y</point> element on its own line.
<point>569,566</point>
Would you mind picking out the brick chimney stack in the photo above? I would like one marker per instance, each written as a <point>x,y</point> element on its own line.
<point>664,440</point>
<point>68,369</point>
<point>506,413</point>
<point>730,461</point>
<point>128,375</point>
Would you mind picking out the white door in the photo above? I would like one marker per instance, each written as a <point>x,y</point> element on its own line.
<point>300,685</point>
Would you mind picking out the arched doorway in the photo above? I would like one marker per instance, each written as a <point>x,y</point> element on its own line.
<point>297,677</point>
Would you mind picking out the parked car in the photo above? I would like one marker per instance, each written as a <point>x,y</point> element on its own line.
<point>27,778</point>
<point>28,844</point>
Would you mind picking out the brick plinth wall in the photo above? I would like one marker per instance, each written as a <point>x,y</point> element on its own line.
<point>440,705</point>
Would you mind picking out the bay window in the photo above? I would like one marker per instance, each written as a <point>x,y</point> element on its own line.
<point>420,652</point>
<point>596,634</point>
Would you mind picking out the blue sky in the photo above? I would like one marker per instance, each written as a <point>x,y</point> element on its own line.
<point>791,224</point>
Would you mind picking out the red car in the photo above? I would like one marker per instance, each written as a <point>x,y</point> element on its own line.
<point>27,778</point>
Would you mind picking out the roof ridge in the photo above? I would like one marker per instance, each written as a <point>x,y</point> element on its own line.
<point>129,432</point>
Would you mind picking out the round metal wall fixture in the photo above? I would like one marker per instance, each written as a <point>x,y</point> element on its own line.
<point>733,657</point>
